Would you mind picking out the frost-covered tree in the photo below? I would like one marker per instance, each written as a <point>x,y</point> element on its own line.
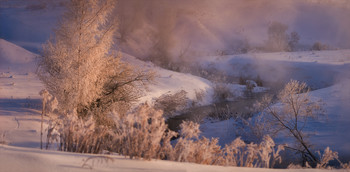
<point>78,66</point>
<point>73,62</point>
<point>86,77</point>
<point>291,116</point>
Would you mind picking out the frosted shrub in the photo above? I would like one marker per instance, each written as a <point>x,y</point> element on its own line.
<point>268,154</point>
<point>172,103</point>
<point>77,135</point>
<point>185,146</point>
<point>324,160</point>
<point>190,148</point>
<point>345,165</point>
<point>221,113</point>
<point>328,155</point>
<point>238,153</point>
<point>142,134</point>
<point>318,46</point>
<point>74,134</point>
<point>68,132</point>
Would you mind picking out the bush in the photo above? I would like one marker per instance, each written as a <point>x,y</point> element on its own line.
<point>259,81</point>
<point>318,46</point>
<point>222,93</point>
<point>264,155</point>
<point>221,113</point>
<point>200,94</point>
<point>172,103</point>
<point>190,148</point>
<point>76,135</point>
<point>324,161</point>
<point>142,134</point>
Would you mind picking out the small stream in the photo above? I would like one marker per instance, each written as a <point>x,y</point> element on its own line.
<point>241,107</point>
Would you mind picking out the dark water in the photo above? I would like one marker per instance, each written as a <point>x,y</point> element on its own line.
<point>241,107</point>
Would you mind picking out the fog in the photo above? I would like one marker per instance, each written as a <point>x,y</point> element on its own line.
<point>191,28</point>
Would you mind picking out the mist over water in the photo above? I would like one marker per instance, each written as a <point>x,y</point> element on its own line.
<point>187,29</point>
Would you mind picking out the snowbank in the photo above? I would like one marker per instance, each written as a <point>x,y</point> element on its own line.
<point>170,82</point>
<point>26,159</point>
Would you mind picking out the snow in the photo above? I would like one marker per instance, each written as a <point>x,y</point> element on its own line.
<point>333,130</point>
<point>18,79</point>
<point>318,69</point>
<point>327,72</point>
<point>17,68</point>
<point>28,159</point>
<point>167,81</point>
<point>16,58</point>
<point>20,122</point>
<point>20,107</point>
<point>224,130</point>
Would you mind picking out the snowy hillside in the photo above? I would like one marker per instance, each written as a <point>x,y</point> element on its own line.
<point>20,101</point>
<point>17,73</point>
<point>317,68</point>
<point>170,82</point>
<point>15,58</point>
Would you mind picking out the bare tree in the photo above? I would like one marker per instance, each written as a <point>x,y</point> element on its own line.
<point>293,41</point>
<point>277,37</point>
<point>292,114</point>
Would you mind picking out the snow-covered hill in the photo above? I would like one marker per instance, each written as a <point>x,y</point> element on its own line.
<point>318,69</point>
<point>18,65</point>
<point>17,68</point>
<point>170,82</point>
<point>15,58</point>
